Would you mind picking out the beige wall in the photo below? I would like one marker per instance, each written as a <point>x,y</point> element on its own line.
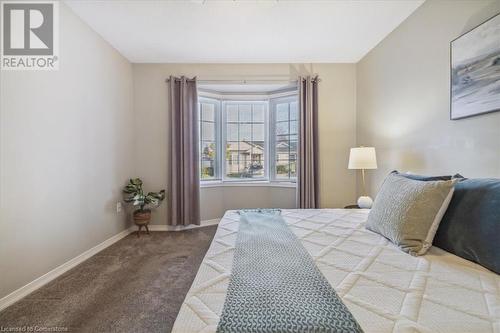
<point>216,200</point>
<point>337,105</point>
<point>403,98</point>
<point>66,147</point>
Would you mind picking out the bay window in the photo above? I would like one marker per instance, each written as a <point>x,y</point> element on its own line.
<point>248,140</point>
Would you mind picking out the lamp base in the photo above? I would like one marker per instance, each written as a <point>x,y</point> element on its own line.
<point>365,202</point>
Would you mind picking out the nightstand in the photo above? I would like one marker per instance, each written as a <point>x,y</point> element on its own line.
<point>351,207</point>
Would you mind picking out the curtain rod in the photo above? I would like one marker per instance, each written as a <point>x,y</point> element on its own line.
<point>245,81</point>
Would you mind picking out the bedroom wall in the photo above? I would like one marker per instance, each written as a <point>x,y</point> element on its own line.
<point>403,98</point>
<point>337,105</point>
<point>66,148</point>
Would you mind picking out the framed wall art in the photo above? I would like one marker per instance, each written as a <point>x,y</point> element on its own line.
<point>475,71</point>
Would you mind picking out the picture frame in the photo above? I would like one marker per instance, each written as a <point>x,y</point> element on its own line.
<point>475,71</point>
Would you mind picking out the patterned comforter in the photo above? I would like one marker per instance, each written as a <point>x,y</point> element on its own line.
<point>384,288</point>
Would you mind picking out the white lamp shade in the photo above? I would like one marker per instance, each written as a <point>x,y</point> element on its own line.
<point>362,158</point>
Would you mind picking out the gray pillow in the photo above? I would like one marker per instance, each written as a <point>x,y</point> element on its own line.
<point>421,177</point>
<point>408,211</point>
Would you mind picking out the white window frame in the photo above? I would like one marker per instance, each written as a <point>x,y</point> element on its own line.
<point>273,102</point>
<point>218,142</point>
<point>266,139</point>
<point>269,101</point>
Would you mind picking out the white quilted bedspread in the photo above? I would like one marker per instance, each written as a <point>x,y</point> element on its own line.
<point>386,289</point>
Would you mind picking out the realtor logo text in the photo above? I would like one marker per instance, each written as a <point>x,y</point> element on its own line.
<point>30,35</point>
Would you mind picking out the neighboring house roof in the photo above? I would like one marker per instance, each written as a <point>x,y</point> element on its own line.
<point>245,147</point>
<point>283,147</point>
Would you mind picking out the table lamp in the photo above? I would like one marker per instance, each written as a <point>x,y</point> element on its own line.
<point>363,158</point>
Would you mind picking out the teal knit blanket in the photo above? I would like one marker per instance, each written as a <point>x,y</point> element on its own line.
<point>275,285</point>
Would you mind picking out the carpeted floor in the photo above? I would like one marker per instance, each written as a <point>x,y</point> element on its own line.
<point>135,285</point>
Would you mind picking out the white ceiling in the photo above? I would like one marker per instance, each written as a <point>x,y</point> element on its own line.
<point>211,31</point>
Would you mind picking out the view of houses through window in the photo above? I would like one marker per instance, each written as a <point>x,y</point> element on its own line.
<point>208,138</point>
<point>286,137</point>
<point>248,140</point>
<point>245,139</point>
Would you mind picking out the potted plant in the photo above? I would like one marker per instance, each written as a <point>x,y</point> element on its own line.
<point>134,194</point>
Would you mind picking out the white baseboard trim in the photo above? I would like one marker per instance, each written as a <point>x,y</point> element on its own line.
<point>56,272</point>
<point>164,227</point>
<point>24,291</point>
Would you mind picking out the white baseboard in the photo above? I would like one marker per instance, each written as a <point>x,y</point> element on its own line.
<point>46,278</point>
<point>56,272</point>
<point>164,227</point>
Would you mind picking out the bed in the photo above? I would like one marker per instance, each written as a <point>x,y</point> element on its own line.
<point>384,288</point>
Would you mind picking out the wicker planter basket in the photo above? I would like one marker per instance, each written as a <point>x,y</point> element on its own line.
<point>141,219</point>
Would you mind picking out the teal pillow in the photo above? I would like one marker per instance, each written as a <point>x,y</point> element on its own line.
<point>470,228</point>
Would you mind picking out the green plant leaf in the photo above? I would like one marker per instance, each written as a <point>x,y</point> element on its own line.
<point>134,194</point>
<point>136,181</point>
<point>139,197</point>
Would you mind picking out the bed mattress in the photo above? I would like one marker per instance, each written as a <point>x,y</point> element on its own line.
<point>385,289</point>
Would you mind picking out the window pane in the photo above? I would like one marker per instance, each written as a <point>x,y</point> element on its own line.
<point>293,127</point>
<point>207,169</point>
<point>245,132</point>
<point>244,151</point>
<point>293,169</point>
<point>282,138</point>
<point>232,132</point>
<point>258,132</point>
<point>282,168</point>
<point>294,115</point>
<point>282,112</point>
<point>258,158</point>
<point>282,150</point>
<point>208,112</point>
<point>293,146</point>
<point>232,112</point>
<point>257,169</point>
<point>282,128</point>
<point>257,152</point>
<point>208,150</point>
<point>258,113</point>
<point>251,169</point>
<point>286,136</point>
<point>245,113</point>
<point>232,148</point>
<point>232,170</point>
<point>208,131</point>
<point>208,155</point>
<point>208,128</point>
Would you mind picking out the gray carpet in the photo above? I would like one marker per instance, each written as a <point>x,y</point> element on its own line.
<point>135,285</point>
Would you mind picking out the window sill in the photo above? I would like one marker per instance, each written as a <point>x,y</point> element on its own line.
<point>208,184</point>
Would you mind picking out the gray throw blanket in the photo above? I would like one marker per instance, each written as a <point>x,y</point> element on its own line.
<point>275,285</point>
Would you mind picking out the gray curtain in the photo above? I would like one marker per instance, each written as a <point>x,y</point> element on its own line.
<point>308,166</point>
<point>183,186</point>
